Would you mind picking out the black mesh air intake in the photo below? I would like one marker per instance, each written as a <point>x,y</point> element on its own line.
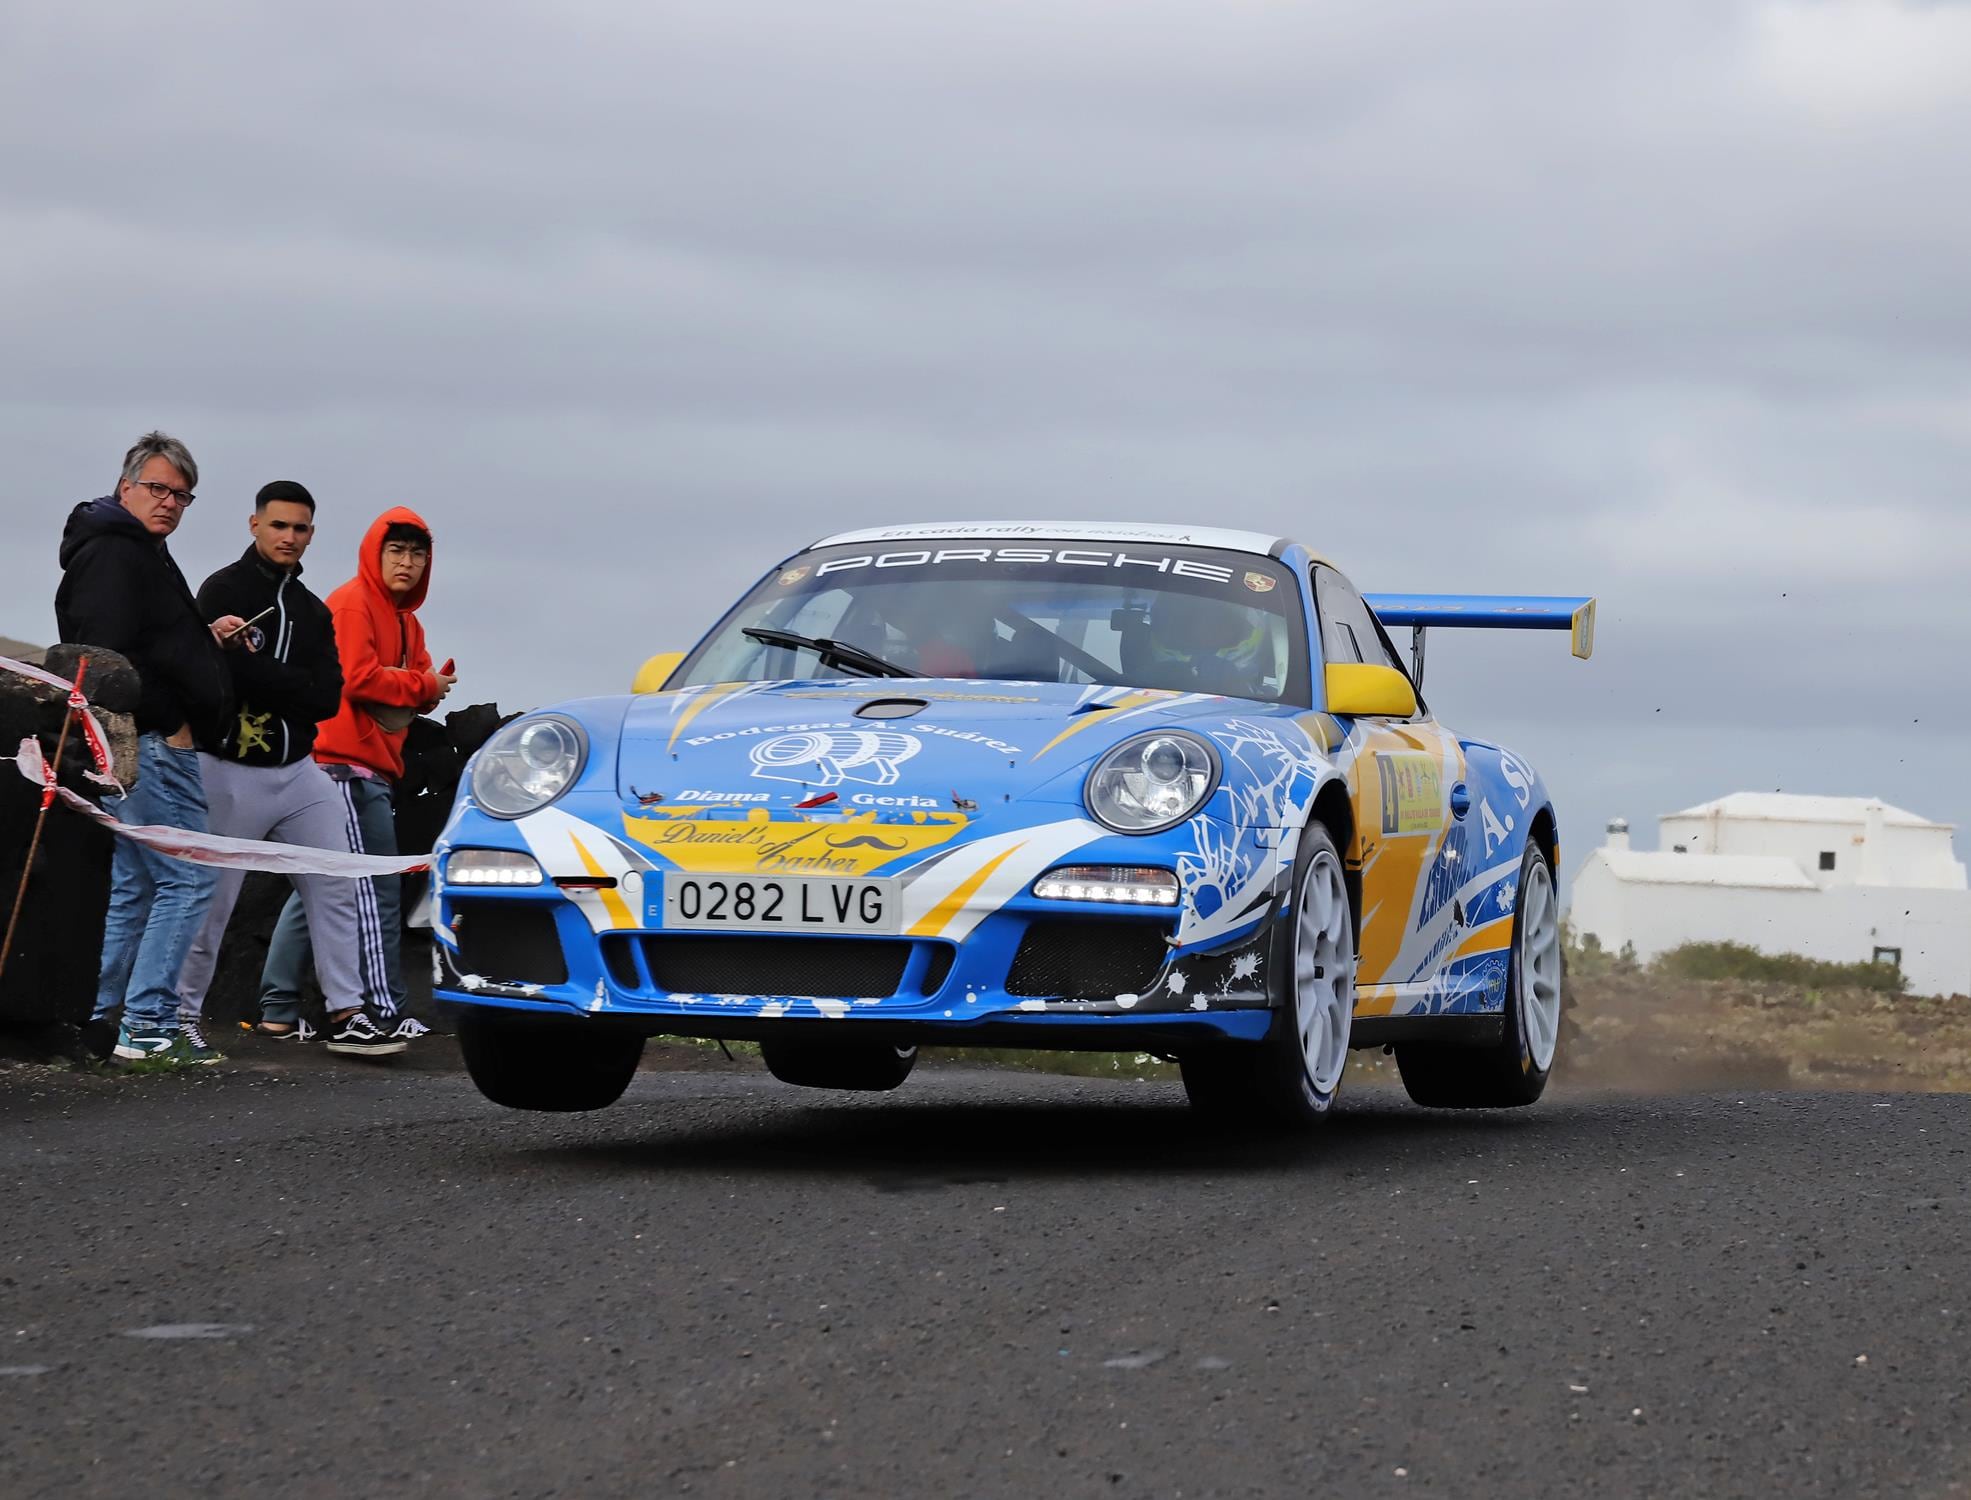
<point>510,942</point>
<point>619,956</point>
<point>1096,959</point>
<point>828,968</point>
<point>938,969</point>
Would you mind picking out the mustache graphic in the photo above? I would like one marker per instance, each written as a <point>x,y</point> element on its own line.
<point>866,841</point>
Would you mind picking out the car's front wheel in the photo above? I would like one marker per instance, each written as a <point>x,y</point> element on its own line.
<point>866,1067</point>
<point>525,1062</point>
<point>1291,1078</point>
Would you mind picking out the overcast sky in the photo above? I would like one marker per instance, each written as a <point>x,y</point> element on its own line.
<point>1668,302</point>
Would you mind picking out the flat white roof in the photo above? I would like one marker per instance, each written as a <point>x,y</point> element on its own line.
<point>1789,807</point>
<point>1123,532</point>
<point>1773,872</point>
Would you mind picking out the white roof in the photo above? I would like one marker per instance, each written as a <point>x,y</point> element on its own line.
<point>1654,867</point>
<point>1064,531</point>
<point>1785,807</point>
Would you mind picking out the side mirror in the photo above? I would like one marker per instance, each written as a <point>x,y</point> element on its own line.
<point>1356,690</point>
<point>653,674</point>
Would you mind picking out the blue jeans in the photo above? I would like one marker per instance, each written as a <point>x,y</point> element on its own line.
<point>157,903</point>
<point>371,821</point>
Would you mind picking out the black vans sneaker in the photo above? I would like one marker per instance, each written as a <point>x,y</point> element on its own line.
<point>357,1035</point>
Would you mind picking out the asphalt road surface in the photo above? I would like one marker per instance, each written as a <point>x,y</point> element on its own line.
<point>327,1278</point>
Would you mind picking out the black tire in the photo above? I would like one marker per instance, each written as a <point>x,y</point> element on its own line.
<point>547,1064</point>
<point>864,1067</point>
<point>1269,1083</point>
<point>1505,1075</point>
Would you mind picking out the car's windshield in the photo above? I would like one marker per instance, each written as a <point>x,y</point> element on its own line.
<point>1190,619</point>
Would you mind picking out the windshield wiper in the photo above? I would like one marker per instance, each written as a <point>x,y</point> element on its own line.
<point>832,653</point>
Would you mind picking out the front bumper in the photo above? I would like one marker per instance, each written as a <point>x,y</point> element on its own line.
<point>1056,971</point>
<point>1052,975</point>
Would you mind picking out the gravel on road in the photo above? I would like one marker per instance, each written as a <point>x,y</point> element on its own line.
<point>312,1280</point>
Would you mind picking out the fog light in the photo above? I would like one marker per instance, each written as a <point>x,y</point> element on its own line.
<point>1112,885</point>
<point>491,867</point>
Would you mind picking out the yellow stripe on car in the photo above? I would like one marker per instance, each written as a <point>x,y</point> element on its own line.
<point>614,904</point>
<point>934,921</point>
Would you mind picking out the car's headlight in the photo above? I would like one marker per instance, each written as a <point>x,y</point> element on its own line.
<point>1152,781</point>
<point>526,765</point>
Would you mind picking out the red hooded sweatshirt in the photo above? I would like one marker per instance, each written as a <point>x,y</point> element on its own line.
<point>384,661</point>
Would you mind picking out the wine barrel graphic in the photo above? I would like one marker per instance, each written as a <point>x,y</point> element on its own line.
<point>828,757</point>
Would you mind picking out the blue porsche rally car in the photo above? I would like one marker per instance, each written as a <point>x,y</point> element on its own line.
<point>1111,787</point>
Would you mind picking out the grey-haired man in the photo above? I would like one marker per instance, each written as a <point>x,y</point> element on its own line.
<point>120,589</point>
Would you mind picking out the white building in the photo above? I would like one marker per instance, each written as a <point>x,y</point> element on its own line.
<point>1845,879</point>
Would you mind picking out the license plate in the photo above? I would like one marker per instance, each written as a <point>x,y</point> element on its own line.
<point>755,903</point>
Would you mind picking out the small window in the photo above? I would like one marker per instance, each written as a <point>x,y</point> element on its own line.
<point>1350,631</point>
<point>1827,859</point>
<point>1891,956</point>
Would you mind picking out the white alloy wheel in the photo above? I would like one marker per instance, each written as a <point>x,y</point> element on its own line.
<point>1539,964</point>
<point>1324,974</point>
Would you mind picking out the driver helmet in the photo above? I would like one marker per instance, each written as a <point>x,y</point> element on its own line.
<point>1190,630</point>
<point>947,635</point>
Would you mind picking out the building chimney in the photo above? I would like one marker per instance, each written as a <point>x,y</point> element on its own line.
<point>1873,870</point>
<point>1618,834</point>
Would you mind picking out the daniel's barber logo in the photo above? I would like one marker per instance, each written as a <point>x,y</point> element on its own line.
<point>829,757</point>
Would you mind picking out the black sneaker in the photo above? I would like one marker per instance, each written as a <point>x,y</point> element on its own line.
<point>357,1035</point>
<point>411,1028</point>
<point>196,1049</point>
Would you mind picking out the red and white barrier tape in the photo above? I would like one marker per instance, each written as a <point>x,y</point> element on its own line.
<point>99,750</point>
<point>216,849</point>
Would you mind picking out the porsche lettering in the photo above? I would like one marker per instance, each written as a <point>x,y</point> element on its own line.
<point>1073,557</point>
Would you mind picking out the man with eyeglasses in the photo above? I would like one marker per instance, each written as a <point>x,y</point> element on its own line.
<point>264,782</point>
<point>121,589</point>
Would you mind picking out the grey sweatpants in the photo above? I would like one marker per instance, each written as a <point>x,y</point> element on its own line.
<point>372,830</point>
<point>301,805</point>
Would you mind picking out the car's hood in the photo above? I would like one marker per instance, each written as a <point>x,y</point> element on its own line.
<point>900,747</point>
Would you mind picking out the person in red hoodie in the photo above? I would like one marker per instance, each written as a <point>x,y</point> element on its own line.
<point>387,680</point>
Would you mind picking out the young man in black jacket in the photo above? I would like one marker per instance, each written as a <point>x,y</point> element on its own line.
<point>262,782</point>
<point>120,589</point>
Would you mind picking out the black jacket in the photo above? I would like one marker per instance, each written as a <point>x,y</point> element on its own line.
<point>120,589</point>
<point>294,680</point>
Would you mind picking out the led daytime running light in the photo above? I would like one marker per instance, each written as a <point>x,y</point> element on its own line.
<point>483,867</point>
<point>1112,885</point>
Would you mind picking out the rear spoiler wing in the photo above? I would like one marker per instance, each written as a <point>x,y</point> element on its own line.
<point>1485,612</point>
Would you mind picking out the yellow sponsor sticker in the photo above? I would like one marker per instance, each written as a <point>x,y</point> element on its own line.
<point>1412,794</point>
<point>763,845</point>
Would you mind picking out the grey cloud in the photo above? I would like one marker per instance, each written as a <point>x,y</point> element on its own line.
<point>1661,302</point>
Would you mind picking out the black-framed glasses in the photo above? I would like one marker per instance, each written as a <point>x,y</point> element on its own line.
<point>160,491</point>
